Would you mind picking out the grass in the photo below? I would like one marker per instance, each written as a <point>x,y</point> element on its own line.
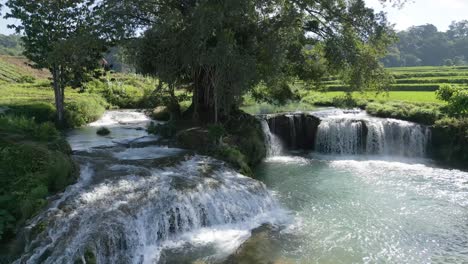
<point>427,97</point>
<point>428,78</point>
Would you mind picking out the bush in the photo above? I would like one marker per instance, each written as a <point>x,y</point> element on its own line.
<point>29,172</point>
<point>234,157</point>
<point>445,92</point>
<point>123,91</point>
<point>82,111</point>
<point>450,141</point>
<point>457,99</point>
<point>423,113</point>
<point>26,127</point>
<point>34,163</point>
<point>216,133</point>
<point>40,112</point>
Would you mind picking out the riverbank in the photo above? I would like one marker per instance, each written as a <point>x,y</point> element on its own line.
<point>35,163</point>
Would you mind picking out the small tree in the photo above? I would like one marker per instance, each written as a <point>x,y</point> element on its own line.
<point>61,36</point>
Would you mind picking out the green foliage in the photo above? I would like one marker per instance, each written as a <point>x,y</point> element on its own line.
<point>445,92</point>
<point>68,43</point>
<point>425,45</point>
<point>103,131</point>
<point>450,140</point>
<point>457,98</point>
<point>423,113</point>
<point>221,50</point>
<point>40,112</point>
<point>82,111</point>
<point>10,45</point>
<point>216,133</point>
<point>20,125</point>
<point>34,163</point>
<point>234,157</point>
<point>124,91</point>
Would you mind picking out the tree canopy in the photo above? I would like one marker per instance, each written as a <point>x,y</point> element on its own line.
<point>223,49</point>
<point>63,36</point>
<point>218,50</point>
<point>425,45</point>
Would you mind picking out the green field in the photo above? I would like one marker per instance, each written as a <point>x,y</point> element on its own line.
<point>427,97</point>
<point>415,78</point>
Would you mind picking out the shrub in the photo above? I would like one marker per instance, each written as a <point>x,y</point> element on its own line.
<point>26,127</point>
<point>457,99</point>
<point>82,111</point>
<point>234,157</point>
<point>123,91</point>
<point>423,113</point>
<point>445,92</point>
<point>216,133</point>
<point>29,172</point>
<point>40,112</point>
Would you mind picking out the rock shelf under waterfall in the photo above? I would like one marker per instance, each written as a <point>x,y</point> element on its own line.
<point>349,133</point>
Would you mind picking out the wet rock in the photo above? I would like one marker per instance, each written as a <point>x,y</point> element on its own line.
<point>297,131</point>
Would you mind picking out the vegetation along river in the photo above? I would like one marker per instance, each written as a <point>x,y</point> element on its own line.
<point>139,201</point>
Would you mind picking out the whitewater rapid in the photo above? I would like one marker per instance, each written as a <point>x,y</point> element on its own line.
<point>136,199</point>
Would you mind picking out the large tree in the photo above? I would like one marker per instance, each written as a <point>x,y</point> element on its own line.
<point>225,48</point>
<point>62,36</point>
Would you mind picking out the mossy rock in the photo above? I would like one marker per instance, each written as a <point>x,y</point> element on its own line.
<point>103,131</point>
<point>245,132</point>
<point>161,113</point>
<point>196,138</point>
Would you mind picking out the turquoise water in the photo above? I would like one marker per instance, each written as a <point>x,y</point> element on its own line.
<point>368,211</point>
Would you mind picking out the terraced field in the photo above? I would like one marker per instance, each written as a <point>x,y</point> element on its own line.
<point>16,70</point>
<point>416,78</point>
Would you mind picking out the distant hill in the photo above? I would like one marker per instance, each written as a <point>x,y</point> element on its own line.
<point>10,45</point>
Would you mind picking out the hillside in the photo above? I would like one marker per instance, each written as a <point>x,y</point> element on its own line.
<point>16,69</point>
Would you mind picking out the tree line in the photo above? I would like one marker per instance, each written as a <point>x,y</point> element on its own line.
<point>425,45</point>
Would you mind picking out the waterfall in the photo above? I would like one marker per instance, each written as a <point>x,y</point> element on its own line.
<point>339,136</point>
<point>272,142</point>
<point>292,131</point>
<point>350,136</point>
<point>132,204</point>
<point>129,219</point>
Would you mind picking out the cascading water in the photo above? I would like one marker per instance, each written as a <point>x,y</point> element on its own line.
<point>350,135</point>
<point>131,204</point>
<point>352,208</point>
<point>292,131</point>
<point>272,142</point>
<point>339,136</point>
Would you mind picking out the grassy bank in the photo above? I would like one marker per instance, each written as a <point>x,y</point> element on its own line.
<point>35,162</point>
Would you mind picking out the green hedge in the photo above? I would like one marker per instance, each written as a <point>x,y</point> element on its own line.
<point>423,113</point>
<point>396,87</point>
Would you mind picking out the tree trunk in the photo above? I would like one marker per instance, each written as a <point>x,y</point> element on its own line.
<point>59,95</point>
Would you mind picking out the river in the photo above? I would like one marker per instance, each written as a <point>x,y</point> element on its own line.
<point>139,201</point>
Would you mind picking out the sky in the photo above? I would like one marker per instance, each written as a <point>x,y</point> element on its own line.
<point>440,13</point>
